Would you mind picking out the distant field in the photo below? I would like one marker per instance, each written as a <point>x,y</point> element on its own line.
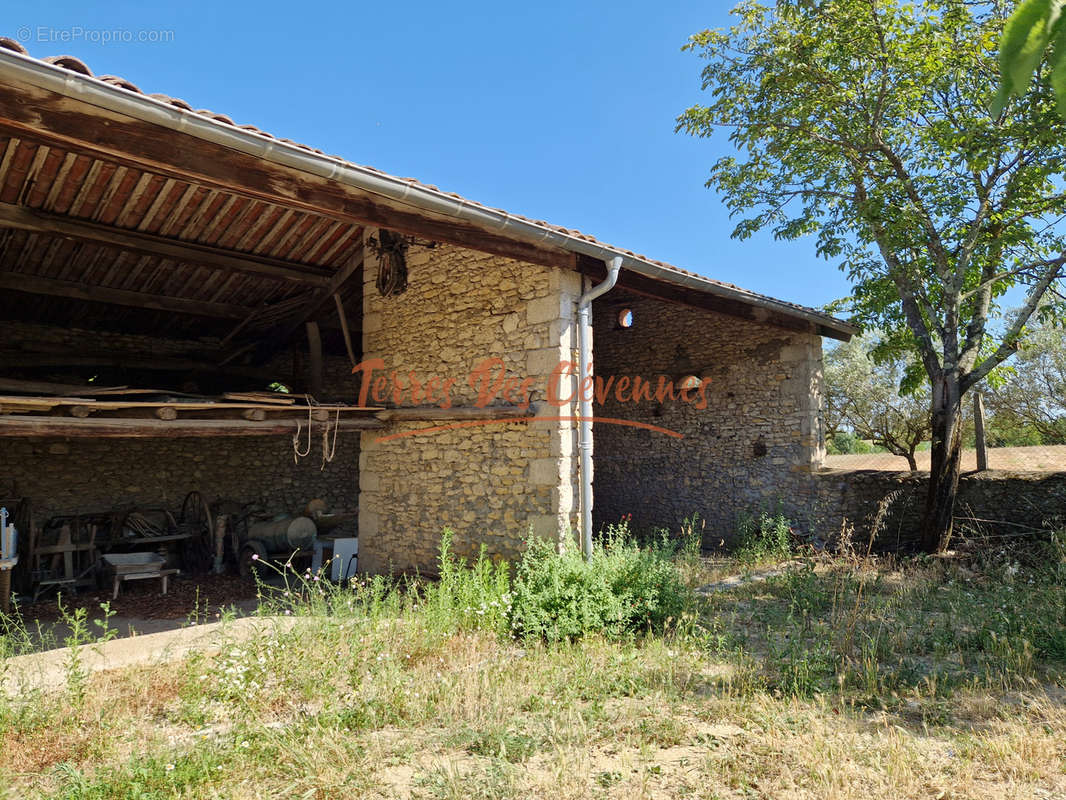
<point>1019,459</point>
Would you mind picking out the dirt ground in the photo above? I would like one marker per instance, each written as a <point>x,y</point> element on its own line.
<point>1014,459</point>
<point>186,597</point>
<point>140,609</point>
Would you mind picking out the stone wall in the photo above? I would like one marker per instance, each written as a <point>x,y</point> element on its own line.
<point>491,483</point>
<point>998,502</point>
<point>63,476</point>
<point>752,447</point>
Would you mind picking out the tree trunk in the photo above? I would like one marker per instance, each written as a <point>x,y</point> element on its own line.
<point>946,461</point>
<point>912,462</point>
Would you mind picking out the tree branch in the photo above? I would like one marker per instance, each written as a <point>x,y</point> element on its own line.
<point>1009,344</point>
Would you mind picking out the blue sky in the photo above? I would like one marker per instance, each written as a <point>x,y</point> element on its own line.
<point>557,110</point>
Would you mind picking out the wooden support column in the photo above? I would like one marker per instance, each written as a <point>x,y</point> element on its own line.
<point>979,431</point>
<point>314,365</point>
<point>344,327</point>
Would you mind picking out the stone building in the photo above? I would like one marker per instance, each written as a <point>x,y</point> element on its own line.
<point>148,246</point>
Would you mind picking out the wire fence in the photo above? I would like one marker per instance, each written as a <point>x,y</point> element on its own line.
<point>1012,459</point>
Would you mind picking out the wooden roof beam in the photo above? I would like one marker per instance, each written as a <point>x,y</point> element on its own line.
<point>114,428</point>
<point>643,286</point>
<point>280,337</point>
<point>19,282</point>
<point>22,218</point>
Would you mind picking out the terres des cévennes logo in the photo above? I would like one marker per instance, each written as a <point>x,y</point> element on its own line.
<point>492,384</point>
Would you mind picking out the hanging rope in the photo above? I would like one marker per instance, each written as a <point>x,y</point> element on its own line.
<point>296,454</point>
<point>328,451</point>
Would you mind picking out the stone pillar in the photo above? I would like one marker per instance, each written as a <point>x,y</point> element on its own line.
<point>494,482</point>
<point>804,392</point>
<point>559,470</point>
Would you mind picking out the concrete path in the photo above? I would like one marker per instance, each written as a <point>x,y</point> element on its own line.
<point>47,671</point>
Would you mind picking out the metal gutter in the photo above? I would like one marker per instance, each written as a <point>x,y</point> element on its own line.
<point>20,69</point>
<point>584,372</point>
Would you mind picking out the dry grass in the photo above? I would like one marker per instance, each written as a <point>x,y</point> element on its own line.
<point>1049,458</point>
<point>801,686</point>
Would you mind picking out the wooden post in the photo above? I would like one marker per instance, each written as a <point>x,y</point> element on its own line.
<point>979,431</point>
<point>220,542</point>
<point>314,367</point>
<point>344,327</point>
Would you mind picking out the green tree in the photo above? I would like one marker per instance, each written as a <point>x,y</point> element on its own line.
<point>866,124</point>
<point>864,395</point>
<point>1032,400</point>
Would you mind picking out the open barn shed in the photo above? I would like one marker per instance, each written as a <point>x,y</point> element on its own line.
<point>202,322</point>
<point>166,341</point>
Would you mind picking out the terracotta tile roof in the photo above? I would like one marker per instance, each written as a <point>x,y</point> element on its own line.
<point>77,66</point>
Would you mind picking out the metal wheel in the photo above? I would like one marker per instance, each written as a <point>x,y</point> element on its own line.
<point>253,556</point>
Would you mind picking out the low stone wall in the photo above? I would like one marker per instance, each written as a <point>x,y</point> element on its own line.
<point>1001,502</point>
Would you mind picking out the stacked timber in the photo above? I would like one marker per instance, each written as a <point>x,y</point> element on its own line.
<point>33,408</point>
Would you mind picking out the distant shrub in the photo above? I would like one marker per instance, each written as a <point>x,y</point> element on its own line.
<point>764,536</point>
<point>846,443</point>
<point>621,590</point>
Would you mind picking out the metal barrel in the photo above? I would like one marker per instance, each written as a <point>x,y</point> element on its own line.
<point>281,535</point>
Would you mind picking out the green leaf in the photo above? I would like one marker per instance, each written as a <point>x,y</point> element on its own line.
<point>1057,77</point>
<point>1024,40</point>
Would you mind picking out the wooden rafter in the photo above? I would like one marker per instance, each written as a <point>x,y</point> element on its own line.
<point>39,115</point>
<point>19,282</point>
<point>315,302</point>
<point>323,295</point>
<point>643,286</point>
<point>19,217</point>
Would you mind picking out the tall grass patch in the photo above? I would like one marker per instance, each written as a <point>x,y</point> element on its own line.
<point>763,537</point>
<point>467,596</point>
